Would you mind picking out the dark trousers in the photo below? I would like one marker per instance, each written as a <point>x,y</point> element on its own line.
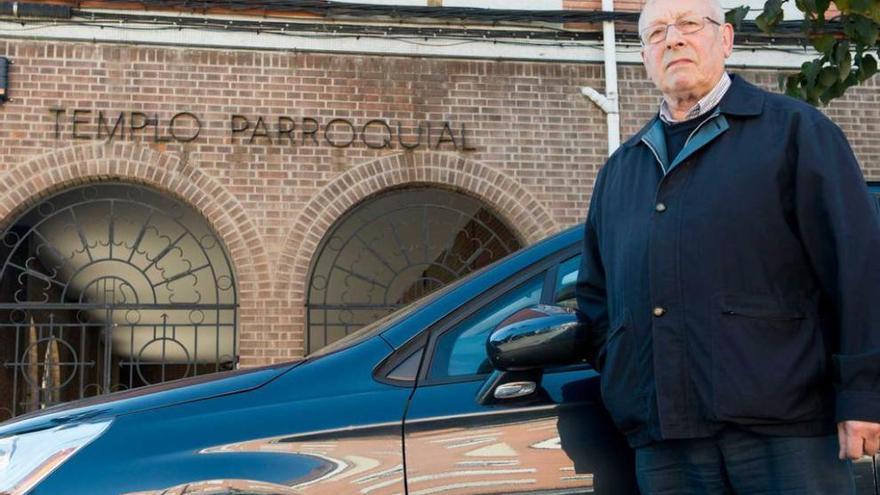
<point>743,463</point>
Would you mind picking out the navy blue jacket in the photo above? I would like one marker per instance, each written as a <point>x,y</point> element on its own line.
<point>738,284</point>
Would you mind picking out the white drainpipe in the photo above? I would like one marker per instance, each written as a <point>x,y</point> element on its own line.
<point>609,102</point>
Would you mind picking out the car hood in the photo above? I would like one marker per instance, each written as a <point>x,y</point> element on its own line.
<point>149,397</point>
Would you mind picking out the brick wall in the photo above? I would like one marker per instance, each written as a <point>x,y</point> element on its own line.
<point>537,145</point>
<point>619,5</point>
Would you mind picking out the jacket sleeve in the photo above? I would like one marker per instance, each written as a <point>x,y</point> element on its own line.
<point>840,230</point>
<point>590,291</point>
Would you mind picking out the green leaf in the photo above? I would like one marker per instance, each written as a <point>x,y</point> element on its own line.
<point>841,49</point>
<point>771,17</point>
<point>823,43</point>
<point>833,92</point>
<point>867,67</point>
<point>812,97</point>
<point>793,81</point>
<point>868,31</point>
<point>792,87</point>
<point>845,65</point>
<point>860,29</point>
<point>811,72</point>
<point>736,16</point>
<point>826,97</point>
<point>851,80</point>
<point>860,5</point>
<point>874,12</point>
<point>806,6</point>
<point>818,19</point>
<point>827,77</point>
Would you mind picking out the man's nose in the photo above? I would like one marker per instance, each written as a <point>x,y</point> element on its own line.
<point>673,37</point>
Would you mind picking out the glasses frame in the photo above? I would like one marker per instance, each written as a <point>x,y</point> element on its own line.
<point>668,25</point>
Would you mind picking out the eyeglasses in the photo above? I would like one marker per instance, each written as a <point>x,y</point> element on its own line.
<point>686,25</point>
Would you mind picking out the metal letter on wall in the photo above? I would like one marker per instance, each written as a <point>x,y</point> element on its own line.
<point>393,249</point>
<point>107,287</point>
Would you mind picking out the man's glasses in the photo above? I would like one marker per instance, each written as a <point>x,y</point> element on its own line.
<point>687,25</point>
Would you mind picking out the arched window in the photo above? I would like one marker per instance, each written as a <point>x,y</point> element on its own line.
<point>394,248</point>
<point>107,287</point>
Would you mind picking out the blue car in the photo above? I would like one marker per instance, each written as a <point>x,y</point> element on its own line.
<point>476,389</point>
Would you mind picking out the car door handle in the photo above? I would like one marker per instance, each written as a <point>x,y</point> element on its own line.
<point>514,389</point>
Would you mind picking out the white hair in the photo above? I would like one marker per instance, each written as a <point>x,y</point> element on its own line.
<point>717,12</point>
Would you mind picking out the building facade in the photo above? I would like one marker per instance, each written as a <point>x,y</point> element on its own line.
<point>172,210</point>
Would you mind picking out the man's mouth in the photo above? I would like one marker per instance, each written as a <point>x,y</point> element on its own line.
<point>678,62</point>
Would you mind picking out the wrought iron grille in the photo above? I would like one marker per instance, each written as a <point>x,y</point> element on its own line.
<point>393,249</point>
<point>108,287</point>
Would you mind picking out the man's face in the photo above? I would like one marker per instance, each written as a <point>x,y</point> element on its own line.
<point>685,64</point>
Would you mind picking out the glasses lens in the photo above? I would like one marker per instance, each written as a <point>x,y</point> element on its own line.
<point>687,26</point>
<point>656,34</point>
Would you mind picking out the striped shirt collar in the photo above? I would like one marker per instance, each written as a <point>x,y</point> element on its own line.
<point>705,104</point>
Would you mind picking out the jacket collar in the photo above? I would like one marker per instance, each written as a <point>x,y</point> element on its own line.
<point>743,99</point>
<point>714,125</point>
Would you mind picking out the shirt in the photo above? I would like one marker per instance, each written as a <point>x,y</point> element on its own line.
<point>703,106</point>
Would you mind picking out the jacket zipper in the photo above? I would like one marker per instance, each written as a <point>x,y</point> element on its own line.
<point>656,156</point>
<point>688,140</point>
<point>711,117</point>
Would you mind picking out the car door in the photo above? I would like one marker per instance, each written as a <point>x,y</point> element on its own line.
<point>558,440</point>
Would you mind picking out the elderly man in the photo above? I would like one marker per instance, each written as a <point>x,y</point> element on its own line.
<point>731,279</point>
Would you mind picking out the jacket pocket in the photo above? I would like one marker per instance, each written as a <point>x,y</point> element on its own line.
<point>621,388</point>
<point>768,361</point>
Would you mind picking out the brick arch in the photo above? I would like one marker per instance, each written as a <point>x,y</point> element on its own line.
<point>26,183</point>
<point>508,199</point>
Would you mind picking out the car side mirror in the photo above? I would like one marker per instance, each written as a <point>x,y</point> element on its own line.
<point>538,337</point>
<point>525,343</point>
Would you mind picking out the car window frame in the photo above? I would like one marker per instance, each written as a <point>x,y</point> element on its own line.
<point>548,265</point>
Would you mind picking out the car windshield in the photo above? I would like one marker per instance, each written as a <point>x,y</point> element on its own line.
<point>392,318</point>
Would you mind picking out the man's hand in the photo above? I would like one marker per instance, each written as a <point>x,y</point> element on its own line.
<point>858,438</point>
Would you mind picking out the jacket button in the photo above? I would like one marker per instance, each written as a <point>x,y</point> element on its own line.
<point>660,207</point>
<point>659,311</point>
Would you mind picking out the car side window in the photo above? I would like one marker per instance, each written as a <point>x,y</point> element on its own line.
<point>874,187</point>
<point>408,368</point>
<point>461,351</point>
<point>566,278</point>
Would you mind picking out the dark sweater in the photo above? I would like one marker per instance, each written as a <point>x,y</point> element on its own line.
<point>678,133</point>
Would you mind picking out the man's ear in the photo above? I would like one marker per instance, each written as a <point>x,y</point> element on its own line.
<point>727,39</point>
